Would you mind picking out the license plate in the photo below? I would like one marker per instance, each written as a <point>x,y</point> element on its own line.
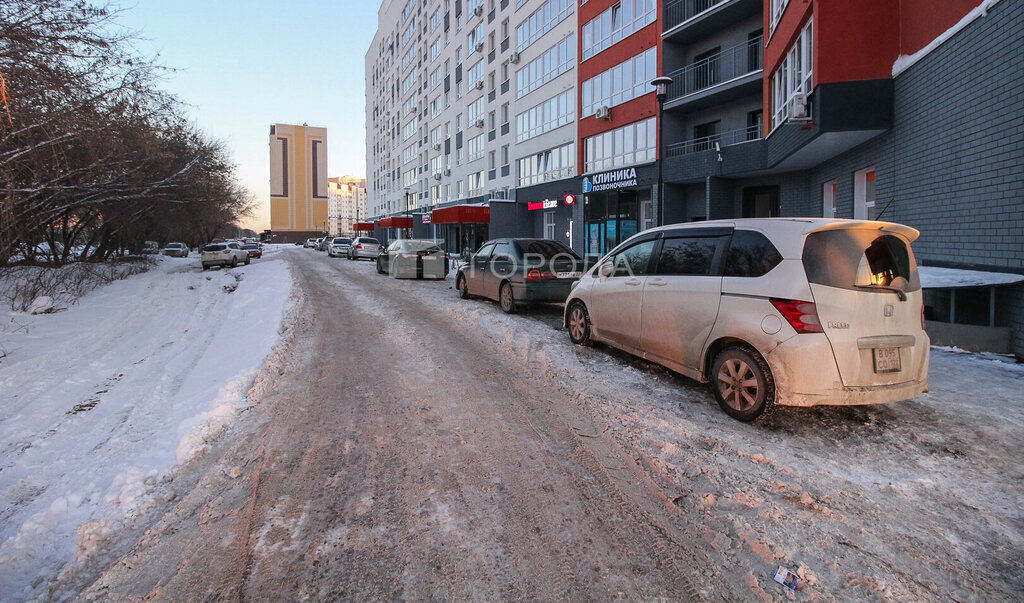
<point>568,274</point>
<point>887,360</point>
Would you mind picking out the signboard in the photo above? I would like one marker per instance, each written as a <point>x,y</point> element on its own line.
<point>426,218</point>
<point>569,199</point>
<point>545,204</point>
<point>607,181</point>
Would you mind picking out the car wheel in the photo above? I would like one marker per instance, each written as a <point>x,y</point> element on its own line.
<point>380,269</point>
<point>247,258</point>
<point>462,286</point>
<point>579,324</point>
<point>234,261</point>
<point>743,383</point>
<point>205,267</point>
<point>508,302</point>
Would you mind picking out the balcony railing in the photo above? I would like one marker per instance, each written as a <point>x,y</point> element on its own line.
<point>706,143</point>
<point>678,11</point>
<point>726,65</point>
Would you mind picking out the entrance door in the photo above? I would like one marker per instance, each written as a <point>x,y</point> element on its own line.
<point>761,202</point>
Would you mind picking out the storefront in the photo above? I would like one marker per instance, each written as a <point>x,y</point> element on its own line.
<point>395,227</point>
<point>551,210</point>
<point>616,205</point>
<point>463,227</point>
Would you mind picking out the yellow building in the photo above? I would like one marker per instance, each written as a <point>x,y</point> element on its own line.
<point>298,182</point>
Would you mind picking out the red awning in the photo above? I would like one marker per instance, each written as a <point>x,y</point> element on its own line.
<point>395,222</point>
<point>462,214</point>
<point>367,226</point>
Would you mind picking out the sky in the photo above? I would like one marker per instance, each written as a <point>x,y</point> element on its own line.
<point>242,66</point>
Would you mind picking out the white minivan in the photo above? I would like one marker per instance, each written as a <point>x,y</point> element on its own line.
<point>771,311</point>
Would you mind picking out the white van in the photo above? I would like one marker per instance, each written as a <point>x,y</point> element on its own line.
<point>771,311</point>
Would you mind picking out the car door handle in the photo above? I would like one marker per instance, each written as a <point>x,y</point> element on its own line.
<point>657,283</point>
<point>633,283</point>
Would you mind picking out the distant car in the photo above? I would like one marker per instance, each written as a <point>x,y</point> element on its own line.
<point>150,248</point>
<point>223,254</point>
<point>339,246</point>
<point>364,248</point>
<point>178,250</point>
<point>413,258</point>
<point>323,243</point>
<point>309,243</point>
<point>253,249</point>
<point>520,271</point>
<point>778,311</point>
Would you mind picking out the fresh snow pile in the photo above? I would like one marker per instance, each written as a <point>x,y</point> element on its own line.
<point>100,402</point>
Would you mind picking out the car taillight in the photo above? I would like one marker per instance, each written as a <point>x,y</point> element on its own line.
<point>225,252</point>
<point>540,275</point>
<point>801,315</point>
<point>360,246</point>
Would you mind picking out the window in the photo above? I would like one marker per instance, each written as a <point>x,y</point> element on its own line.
<point>549,225</point>
<point>632,261</point>
<point>623,82</point>
<point>828,199</point>
<point>864,194</point>
<point>476,148</point>
<point>778,8</point>
<point>618,22</point>
<point>435,48</point>
<point>705,136</point>
<point>793,77</point>
<point>550,114</point>
<point>690,256</point>
<point>552,164</point>
<point>628,145</point>
<point>750,254</point>
<point>541,21</point>
<point>476,183</point>
<point>475,74</point>
<point>553,62</point>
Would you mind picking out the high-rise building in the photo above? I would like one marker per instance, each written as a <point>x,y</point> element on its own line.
<point>298,182</point>
<point>346,204</point>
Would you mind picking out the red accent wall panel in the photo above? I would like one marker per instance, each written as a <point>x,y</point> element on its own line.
<point>921,21</point>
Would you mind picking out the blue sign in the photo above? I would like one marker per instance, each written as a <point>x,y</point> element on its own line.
<point>587,186</point>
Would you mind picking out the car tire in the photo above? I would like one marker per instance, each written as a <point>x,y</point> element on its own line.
<point>247,258</point>
<point>205,267</point>
<point>462,286</point>
<point>234,261</point>
<point>380,269</point>
<point>743,383</point>
<point>506,299</point>
<point>579,324</point>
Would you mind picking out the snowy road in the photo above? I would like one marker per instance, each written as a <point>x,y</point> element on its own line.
<point>415,446</point>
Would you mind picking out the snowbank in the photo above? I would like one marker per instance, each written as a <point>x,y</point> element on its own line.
<point>101,401</point>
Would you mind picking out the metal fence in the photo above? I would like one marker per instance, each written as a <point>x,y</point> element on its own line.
<point>681,10</point>
<point>707,143</point>
<point>720,67</point>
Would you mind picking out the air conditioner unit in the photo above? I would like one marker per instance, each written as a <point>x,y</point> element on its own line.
<point>603,113</point>
<point>513,58</point>
<point>479,123</point>
<point>437,176</point>
<point>437,146</point>
<point>801,110</point>
<point>447,172</point>
<point>479,10</point>
<point>479,85</point>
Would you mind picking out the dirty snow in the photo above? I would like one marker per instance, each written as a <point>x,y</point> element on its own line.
<point>934,277</point>
<point>103,399</point>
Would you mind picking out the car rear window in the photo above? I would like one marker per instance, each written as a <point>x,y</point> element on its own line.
<point>174,246</point>
<point>370,241</point>
<point>251,246</point>
<point>850,259</point>
<point>340,240</point>
<point>751,254</point>
<point>217,247</point>
<point>546,249</point>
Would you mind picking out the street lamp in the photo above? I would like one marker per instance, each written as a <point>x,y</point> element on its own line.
<point>661,93</point>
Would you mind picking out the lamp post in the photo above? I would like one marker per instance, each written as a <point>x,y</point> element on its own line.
<point>661,93</point>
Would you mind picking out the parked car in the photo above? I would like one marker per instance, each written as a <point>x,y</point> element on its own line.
<point>413,258</point>
<point>309,243</point>
<point>794,312</point>
<point>223,254</point>
<point>323,243</point>
<point>178,250</point>
<point>339,246</point>
<point>520,271</point>
<point>253,249</point>
<point>364,248</point>
<point>150,248</point>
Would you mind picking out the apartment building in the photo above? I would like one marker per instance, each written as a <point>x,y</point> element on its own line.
<point>346,205</point>
<point>298,182</point>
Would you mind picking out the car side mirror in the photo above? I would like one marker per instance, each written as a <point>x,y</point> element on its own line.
<point>606,270</point>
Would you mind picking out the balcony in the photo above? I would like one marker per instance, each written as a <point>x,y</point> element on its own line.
<point>738,152</point>
<point>689,20</point>
<point>730,74</point>
<point>724,139</point>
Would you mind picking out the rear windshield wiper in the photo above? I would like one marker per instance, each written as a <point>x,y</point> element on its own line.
<point>899,292</point>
